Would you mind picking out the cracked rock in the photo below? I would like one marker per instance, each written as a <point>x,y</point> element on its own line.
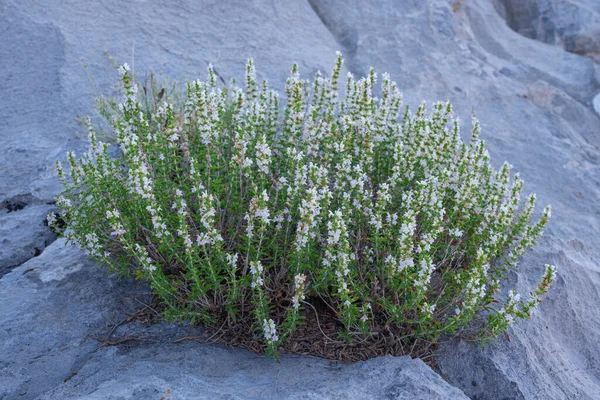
<point>531,96</point>
<point>23,235</point>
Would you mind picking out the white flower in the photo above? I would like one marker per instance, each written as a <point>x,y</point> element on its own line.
<point>392,219</point>
<point>257,282</point>
<point>428,309</point>
<point>456,232</point>
<point>513,297</point>
<point>552,269</point>
<point>232,259</point>
<point>63,202</point>
<point>299,281</point>
<point>334,236</point>
<point>256,269</point>
<point>144,259</point>
<point>424,274</point>
<point>263,214</point>
<point>51,218</point>
<point>117,229</point>
<point>59,169</point>
<point>249,229</point>
<point>263,155</point>
<point>270,330</point>
<point>376,221</point>
<point>124,69</point>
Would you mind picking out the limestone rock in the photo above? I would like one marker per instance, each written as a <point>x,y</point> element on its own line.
<point>526,69</point>
<point>571,24</point>
<point>596,103</point>
<point>191,371</point>
<point>23,234</point>
<point>48,307</point>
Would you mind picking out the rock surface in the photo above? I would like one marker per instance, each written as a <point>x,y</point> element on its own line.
<point>596,103</point>
<point>209,372</point>
<point>534,98</point>
<point>48,307</point>
<point>571,24</point>
<point>23,234</point>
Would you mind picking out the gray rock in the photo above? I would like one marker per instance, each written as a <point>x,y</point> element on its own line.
<point>23,235</point>
<point>57,61</point>
<point>192,371</point>
<point>48,307</point>
<point>596,103</point>
<point>571,24</point>
<point>536,105</point>
<point>34,121</point>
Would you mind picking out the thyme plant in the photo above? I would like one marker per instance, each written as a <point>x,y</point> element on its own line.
<point>346,216</point>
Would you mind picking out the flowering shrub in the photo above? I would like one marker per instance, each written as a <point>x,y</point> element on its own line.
<point>337,228</point>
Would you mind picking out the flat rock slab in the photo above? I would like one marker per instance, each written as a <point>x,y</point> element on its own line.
<point>49,307</point>
<point>192,371</point>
